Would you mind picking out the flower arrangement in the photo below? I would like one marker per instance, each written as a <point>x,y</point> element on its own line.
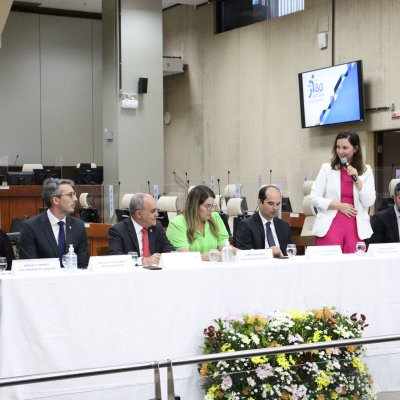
<point>334,373</point>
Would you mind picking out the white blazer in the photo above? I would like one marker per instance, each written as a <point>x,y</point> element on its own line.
<point>326,188</point>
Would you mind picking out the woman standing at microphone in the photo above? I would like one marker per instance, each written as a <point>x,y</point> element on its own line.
<point>342,193</point>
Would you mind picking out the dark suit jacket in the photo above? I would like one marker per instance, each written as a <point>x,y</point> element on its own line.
<point>37,239</point>
<point>122,238</point>
<point>384,225</point>
<point>6,249</point>
<point>251,233</point>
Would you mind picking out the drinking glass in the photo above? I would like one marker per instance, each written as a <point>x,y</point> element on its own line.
<point>291,250</point>
<point>134,256</point>
<point>361,247</point>
<point>214,255</point>
<point>3,265</point>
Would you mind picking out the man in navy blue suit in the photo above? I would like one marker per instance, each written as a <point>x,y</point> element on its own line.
<point>264,229</point>
<point>49,234</point>
<point>386,223</point>
<point>141,232</point>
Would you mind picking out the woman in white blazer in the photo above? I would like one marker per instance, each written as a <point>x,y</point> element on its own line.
<point>342,193</point>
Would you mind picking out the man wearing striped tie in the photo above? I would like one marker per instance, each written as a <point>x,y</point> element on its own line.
<point>141,232</point>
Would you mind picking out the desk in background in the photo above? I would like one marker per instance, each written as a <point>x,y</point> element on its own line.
<point>20,200</point>
<point>88,320</point>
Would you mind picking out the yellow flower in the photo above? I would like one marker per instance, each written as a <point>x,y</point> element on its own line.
<point>327,338</point>
<point>357,363</point>
<point>281,360</point>
<point>291,360</point>
<point>253,319</point>
<point>226,348</point>
<point>322,380</point>
<point>334,395</point>
<point>259,360</point>
<point>297,314</point>
<point>317,336</point>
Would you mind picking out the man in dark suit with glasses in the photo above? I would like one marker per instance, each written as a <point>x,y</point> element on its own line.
<point>49,234</point>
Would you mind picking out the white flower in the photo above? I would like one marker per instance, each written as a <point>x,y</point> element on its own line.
<point>255,338</point>
<point>226,382</point>
<point>251,382</point>
<point>245,339</point>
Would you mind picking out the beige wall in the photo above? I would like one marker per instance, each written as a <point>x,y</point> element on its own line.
<point>237,107</point>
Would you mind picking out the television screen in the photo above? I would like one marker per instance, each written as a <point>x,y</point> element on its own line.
<point>332,95</point>
<point>88,176</point>
<point>42,174</point>
<point>20,178</point>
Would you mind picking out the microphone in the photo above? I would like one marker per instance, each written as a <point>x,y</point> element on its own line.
<point>148,185</point>
<point>229,173</point>
<point>219,193</point>
<point>270,176</point>
<point>119,191</point>
<point>16,158</point>
<point>346,164</point>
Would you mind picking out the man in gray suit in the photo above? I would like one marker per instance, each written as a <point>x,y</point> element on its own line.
<point>49,234</point>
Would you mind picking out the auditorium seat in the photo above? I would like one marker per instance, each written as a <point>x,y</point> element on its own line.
<point>392,185</point>
<point>168,204</point>
<point>308,210</point>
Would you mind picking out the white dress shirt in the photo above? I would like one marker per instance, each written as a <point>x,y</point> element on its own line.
<point>264,221</point>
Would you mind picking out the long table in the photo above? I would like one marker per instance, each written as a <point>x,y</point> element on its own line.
<point>87,320</point>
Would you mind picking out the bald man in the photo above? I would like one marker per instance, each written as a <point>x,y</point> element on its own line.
<point>141,232</point>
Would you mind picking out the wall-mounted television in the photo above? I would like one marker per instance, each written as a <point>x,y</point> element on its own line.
<point>332,95</point>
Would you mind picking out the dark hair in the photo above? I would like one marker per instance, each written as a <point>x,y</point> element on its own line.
<point>262,194</point>
<point>51,188</point>
<point>196,197</point>
<point>396,191</point>
<point>357,160</point>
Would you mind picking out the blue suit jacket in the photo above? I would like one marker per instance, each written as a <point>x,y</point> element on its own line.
<point>37,239</point>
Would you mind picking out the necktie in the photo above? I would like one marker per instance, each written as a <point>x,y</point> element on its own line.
<point>145,239</point>
<point>270,238</point>
<point>61,240</point>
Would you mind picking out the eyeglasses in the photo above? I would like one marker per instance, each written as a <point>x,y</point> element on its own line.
<point>71,195</point>
<point>209,206</point>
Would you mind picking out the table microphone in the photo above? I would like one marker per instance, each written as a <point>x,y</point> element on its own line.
<point>16,158</point>
<point>346,164</point>
<point>148,185</point>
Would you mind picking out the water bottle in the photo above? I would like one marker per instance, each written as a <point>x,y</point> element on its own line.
<point>227,253</point>
<point>71,260</point>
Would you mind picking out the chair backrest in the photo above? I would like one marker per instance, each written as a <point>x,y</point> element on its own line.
<point>31,167</point>
<point>234,209</point>
<point>220,203</point>
<point>230,190</point>
<point>309,219</point>
<point>168,204</point>
<point>83,200</point>
<point>307,186</point>
<point>392,185</point>
<point>126,199</point>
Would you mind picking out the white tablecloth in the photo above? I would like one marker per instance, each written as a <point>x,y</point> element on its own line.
<point>87,320</point>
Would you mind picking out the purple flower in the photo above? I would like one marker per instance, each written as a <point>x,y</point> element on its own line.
<point>226,382</point>
<point>264,371</point>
